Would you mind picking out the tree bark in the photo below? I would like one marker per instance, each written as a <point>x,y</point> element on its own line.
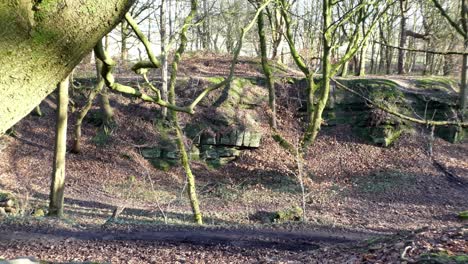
<point>464,84</point>
<point>106,108</point>
<point>57,186</point>
<point>191,188</point>
<point>164,66</point>
<point>362,58</point>
<point>270,82</point>
<point>403,37</point>
<point>124,32</point>
<point>40,46</point>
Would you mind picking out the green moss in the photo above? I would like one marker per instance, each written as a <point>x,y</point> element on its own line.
<point>442,258</point>
<point>463,215</point>
<point>43,7</point>
<point>385,135</point>
<point>43,36</point>
<point>151,153</point>
<point>5,196</point>
<point>436,83</point>
<point>89,9</point>
<point>289,214</point>
<point>215,80</point>
<point>452,134</point>
<point>163,164</point>
<point>101,138</point>
<point>38,213</point>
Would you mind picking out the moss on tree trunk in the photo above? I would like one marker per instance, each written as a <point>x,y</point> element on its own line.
<point>270,82</point>
<point>57,186</point>
<point>40,46</point>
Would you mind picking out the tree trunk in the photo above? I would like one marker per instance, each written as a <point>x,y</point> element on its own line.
<point>267,70</point>
<point>206,34</point>
<point>464,84</point>
<point>191,189</point>
<point>163,32</point>
<point>57,186</point>
<point>344,71</point>
<point>403,37</point>
<point>40,48</point>
<point>76,147</point>
<point>124,32</point>
<point>373,59</point>
<point>388,60</point>
<point>316,120</point>
<point>106,108</point>
<point>362,60</point>
<point>382,59</point>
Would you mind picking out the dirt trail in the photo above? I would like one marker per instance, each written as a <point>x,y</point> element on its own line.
<point>279,240</point>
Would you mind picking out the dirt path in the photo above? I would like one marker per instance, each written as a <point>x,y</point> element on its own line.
<point>181,245</point>
<point>279,240</point>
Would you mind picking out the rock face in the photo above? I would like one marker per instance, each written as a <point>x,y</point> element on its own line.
<point>226,124</point>
<point>374,125</point>
<point>7,205</point>
<point>431,98</point>
<point>216,150</point>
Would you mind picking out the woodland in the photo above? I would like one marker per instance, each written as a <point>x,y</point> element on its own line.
<point>233,131</point>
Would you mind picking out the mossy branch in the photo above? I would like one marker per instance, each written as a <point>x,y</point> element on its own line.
<point>235,58</point>
<point>142,37</point>
<point>240,42</point>
<point>400,115</point>
<point>290,148</point>
<point>107,74</point>
<point>191,190</point>
<point>142,66</point>
<point>267,69</point>
<point>290,39</point>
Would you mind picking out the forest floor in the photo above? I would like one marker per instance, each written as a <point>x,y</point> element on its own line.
<point>367,204</point>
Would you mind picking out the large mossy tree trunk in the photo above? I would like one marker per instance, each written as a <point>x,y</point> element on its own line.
<point>315,123</point>
<point>41,44</point>
<point>57,187</point>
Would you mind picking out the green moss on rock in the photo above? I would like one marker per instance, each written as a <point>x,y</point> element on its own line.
<point>289,214</point>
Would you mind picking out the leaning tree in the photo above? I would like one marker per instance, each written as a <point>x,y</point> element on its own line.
<point>40,44</point>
